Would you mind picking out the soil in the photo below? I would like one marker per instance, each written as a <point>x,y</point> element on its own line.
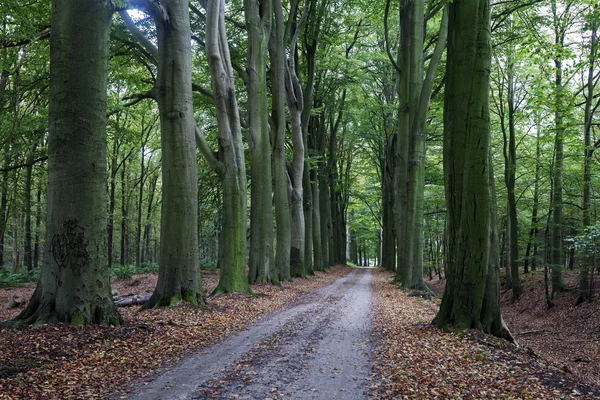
<point>319,348</point>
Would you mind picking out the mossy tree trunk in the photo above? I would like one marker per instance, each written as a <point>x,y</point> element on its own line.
<point>74,285</point>
<point>179,269</point>
<point>259,15</point>
<point>229,165</point>
<point>471,296</point>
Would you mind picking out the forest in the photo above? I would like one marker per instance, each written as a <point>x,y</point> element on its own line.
<point>238,148</point>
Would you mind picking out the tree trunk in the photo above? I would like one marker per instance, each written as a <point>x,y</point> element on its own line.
<point>123,255</point>
<point>259,16</point>
<point>27,205</point>
<point>230,166</point>
<point>471,296</point>
<point>38,221</point>
<point>4,207</point>
<point>556,258</point>
<point>112,185</point>
<point>414,92</point>
<point>584,284</point>
<point>74,285</point>
<point>316,221</point>
<point>533,231</point>
<point>148,227</point>
<point>280,177</point>
<point>179,270</point>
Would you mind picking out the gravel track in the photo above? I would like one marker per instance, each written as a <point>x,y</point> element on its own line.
<point>318,348</point>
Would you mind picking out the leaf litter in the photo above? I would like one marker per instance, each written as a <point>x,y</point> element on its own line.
<point>93,362</point>
<point>416,360</point>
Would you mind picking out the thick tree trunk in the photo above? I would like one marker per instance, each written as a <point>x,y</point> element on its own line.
<point>179,270</point>
<point>471,296</point>
<point>74,285</point>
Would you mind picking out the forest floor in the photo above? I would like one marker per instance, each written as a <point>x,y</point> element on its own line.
<point>418,360</point>
<point>566,335</point>
<point>347,334</point>
<point>92,362</point>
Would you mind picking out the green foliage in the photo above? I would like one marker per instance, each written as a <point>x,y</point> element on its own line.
<point>588,242</point>
<point>19,279</point>
<point>127,271</point>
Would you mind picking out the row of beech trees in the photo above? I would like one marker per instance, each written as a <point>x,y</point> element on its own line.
<point>270,121</point>
<point>309,211</point>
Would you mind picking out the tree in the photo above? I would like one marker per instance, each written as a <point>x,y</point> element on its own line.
<point>74,284</point>
<point>259,15</point>
<point>230,164</point>
<point>414,92</point>
<point>471,296</point>
<point>179,273</point>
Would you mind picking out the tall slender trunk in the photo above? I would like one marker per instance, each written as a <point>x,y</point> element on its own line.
<point>259,15</point>
<point>28,256</point>
<point>179,269</point>
<point>533,231</point>
<point>124,257</point>
<point>557,199</point>
<point>278,118</point>
<point>230,165</point>
<point>38,221</point>
<point>584,284</point>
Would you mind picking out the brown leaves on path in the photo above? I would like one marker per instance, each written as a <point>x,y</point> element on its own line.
<point>92,362</point>
<point>416,360</point>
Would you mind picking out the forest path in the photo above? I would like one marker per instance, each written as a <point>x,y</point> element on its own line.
<point>318,348</point>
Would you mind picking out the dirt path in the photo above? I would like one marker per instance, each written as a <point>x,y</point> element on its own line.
<point>317,349</point>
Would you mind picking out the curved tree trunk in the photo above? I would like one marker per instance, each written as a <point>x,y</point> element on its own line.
<point>230,166</point>
<point>74,285</point>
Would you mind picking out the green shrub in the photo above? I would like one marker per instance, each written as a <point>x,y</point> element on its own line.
<point>19,279</point>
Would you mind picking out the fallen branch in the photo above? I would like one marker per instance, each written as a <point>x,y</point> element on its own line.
<point>533,332</point>
<point>15,302</point>
<point>136,300</point>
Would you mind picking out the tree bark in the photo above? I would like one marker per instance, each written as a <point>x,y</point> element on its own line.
<point>74,285</point>
<point>230,165</point>
<point>259,14</point>
<point>584,284</point>
<point>179,270</point>
<point>280,177</point>
<point>556,256</point>
<point>471,296</point>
